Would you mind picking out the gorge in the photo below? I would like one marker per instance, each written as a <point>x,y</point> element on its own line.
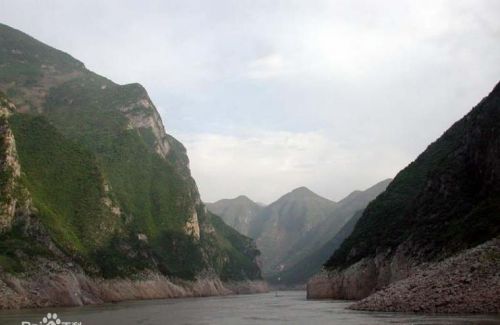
<point>297,233</point>
<point>98,205</point>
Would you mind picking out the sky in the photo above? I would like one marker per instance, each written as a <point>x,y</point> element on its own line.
<point>270,95</point>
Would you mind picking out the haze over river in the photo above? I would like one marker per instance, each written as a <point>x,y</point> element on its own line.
<point>290,307</point>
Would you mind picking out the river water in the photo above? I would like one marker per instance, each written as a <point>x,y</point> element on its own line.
<point>290,307</point>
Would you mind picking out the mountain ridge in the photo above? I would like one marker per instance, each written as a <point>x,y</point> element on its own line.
<point>140,213</point>
<point>309,252</point>
<point>297,204</point>
<point>238,212</point>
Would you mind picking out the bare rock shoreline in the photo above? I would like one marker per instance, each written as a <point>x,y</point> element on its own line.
<point>77,289</point>
<point>465,283</point>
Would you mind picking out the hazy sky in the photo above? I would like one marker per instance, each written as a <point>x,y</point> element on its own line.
<point>272,95</point>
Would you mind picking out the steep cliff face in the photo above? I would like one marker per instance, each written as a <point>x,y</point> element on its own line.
<point>443,203</point>
<point>9,167</point>
<point>108,189</point>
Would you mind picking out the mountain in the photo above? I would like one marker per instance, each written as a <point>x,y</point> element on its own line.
<point>284,222</point>
<point>238,213</point>
<point>94,188</point>
<point>293,232</point>
<point>313,249</point>
<point>308,265</point>
<point>432,217</point>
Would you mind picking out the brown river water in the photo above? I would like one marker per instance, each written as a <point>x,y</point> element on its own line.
<point>289,307</point>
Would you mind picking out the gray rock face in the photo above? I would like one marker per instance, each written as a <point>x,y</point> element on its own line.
<point>67,286</point>
<point>10,169</point>
<point>466,283</point>
<point>143,114</point>
<point>362,278</point>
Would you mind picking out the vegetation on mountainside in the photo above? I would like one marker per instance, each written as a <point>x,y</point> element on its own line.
<point>23,58</point>
<point>67,187</point>
<point>240,251</point>
<point>107,198</point>
<point>16,247</point>
<point>444,201</point>
<point>64,182</point>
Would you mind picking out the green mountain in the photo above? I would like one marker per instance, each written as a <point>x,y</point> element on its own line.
<point>238,213</point>
<point>435,211</point>
<point>443,202</point>
<point>90,177</point>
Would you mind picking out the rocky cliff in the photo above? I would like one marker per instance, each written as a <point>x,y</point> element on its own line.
<point>442,204</point>
<point>90,178</point>
<point>468,283</point>
<point>66,285</point>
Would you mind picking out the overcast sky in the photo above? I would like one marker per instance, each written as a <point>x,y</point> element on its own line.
<point>271,95</point>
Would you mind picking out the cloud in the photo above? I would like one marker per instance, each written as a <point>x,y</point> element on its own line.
<point>264,165</point>
<point>266,67</point>
<point>247,84</point>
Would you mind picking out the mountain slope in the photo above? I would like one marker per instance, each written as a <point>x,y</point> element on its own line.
<point>443,203</point>
<point>298,273</point>
<point>310,252</point>
<point>238,213</point>
<point>283,223</point>
<point>102,182</point>
<point>292,231</point>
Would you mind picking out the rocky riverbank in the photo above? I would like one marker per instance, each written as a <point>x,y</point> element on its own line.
<point>362,278</point>
<point>465,283</point>
<point>68,288</point>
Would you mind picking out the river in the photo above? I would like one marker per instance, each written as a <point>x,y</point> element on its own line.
<point>289,307</point>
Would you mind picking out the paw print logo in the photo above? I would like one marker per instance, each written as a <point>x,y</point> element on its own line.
<point>51,319</point>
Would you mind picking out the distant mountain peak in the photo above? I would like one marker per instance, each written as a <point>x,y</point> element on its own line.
<point>244,198</point>
<point>240,199</point>
<point>302,189</point>
<point>237,213</point>
<point>302,193</point>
